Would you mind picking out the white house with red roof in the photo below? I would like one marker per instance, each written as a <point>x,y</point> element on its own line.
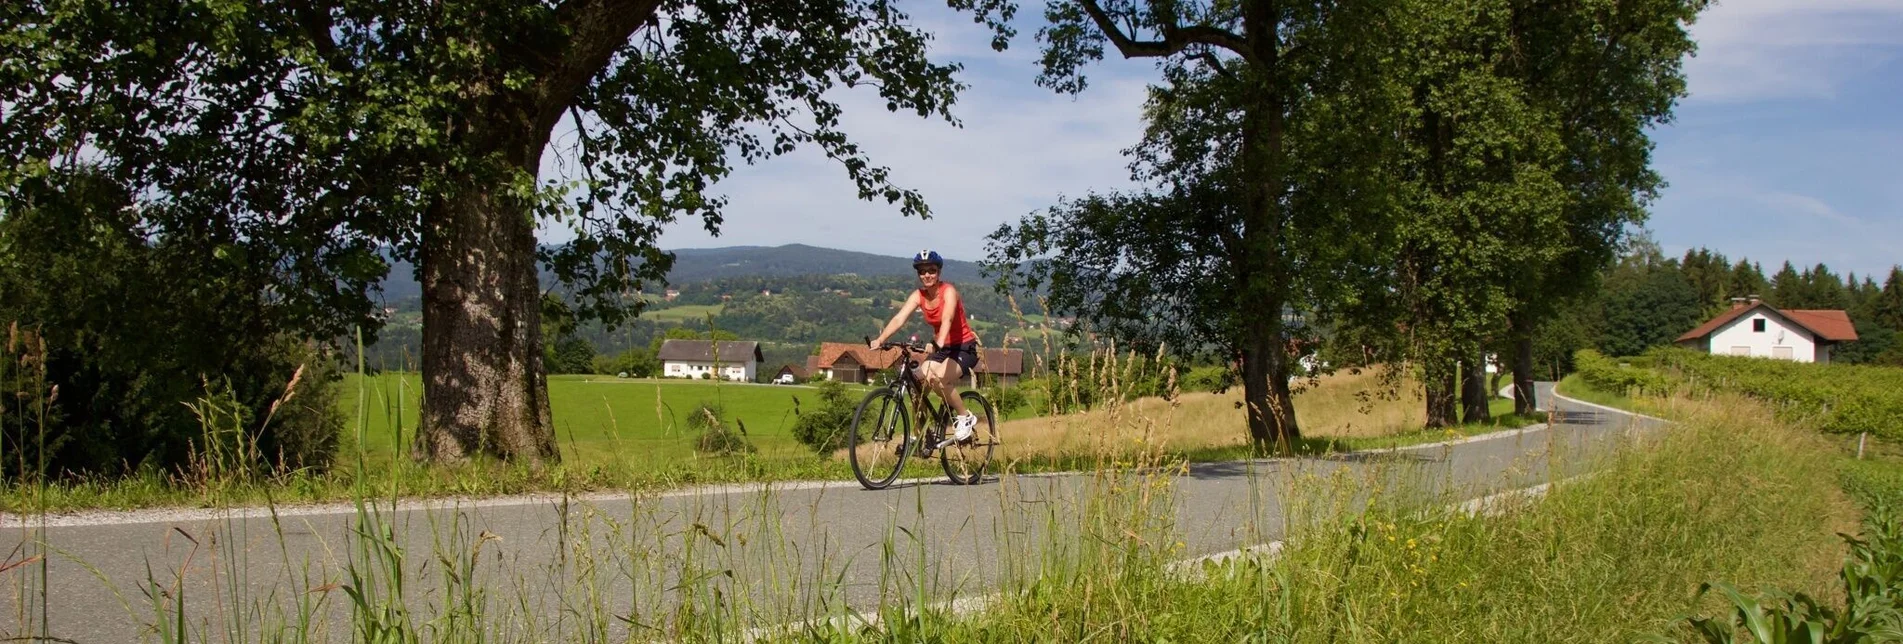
<point>1753,328</point>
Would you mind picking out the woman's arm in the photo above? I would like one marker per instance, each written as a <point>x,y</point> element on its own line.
<point>948,305</point>
<point>911,304</point>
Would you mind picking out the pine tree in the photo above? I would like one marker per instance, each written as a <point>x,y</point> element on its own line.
<point>1747,280</point>
<point>1822,290</point>
<point>1888,309</point>
<point>1787,288</point>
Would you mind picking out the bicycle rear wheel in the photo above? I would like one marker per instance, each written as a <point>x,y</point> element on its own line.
<point>880,439</point>
<point>965,461</point>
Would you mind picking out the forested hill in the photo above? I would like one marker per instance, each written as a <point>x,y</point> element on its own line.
<point>790,297</point>
<point>702,264</point>
<point>699,264</point>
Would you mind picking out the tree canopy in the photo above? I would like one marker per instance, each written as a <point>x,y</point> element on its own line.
<point>315,139</point>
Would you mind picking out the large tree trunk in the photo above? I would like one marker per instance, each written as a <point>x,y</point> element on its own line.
<point>1473,391</point>
<point>485,389</point>
<point>1440,389</point>
<point>1265,359</point>
<point>1265,392</point>
<point>1525,402</point>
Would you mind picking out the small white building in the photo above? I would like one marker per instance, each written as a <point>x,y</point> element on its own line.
<point>736,361</point>
<point>1753,328</point>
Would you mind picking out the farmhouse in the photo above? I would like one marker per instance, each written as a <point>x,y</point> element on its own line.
<point>850,362</point>
<point>790,373</point>
<point>737,361</point>
<point>1000,367</point>
<point>1753,328</point>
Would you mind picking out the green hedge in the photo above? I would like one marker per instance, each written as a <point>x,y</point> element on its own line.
<point>1846,399</point>
<point>1619,376</point>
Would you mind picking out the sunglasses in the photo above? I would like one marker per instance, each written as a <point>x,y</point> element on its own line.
<point>928,271</point>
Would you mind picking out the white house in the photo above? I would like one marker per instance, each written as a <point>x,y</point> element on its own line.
<point>1753,328</point>
<point>737,361</point>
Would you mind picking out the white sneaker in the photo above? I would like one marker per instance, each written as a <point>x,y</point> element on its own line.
<point>961,429</point>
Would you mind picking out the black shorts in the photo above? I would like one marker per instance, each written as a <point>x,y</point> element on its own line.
<point>966,355</point>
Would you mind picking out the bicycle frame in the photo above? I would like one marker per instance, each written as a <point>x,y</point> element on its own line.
<point>931,418</point>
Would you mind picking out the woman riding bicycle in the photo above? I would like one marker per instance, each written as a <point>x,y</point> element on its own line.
<point>954,348</point>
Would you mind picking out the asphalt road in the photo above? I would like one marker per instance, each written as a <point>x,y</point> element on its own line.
<point>605,566</point>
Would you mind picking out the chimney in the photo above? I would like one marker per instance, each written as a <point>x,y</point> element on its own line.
<point>1737,303</point>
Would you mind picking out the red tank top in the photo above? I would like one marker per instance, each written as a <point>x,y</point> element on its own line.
<point>961,332</point>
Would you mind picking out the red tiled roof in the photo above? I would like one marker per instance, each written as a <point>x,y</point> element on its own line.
<point>831,351</point>
<point>1000,361</point>
<point>1722,319</point>
<point>1830,325</point>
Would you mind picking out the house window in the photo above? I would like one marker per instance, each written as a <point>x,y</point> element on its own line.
<point>1757,326</point>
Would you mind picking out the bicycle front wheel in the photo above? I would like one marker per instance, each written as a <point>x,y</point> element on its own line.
<point>880,439</point>
<point>965,461</point>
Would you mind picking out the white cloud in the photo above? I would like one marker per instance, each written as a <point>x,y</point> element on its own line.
<point>1805,206</point>
<point>1778,49</point>
<point>1019,150</point>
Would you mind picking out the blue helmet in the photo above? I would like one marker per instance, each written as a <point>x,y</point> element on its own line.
<point>925,257</point>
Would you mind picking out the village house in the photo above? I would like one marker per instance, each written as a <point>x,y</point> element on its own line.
<point>736,361</point>
<point>1753,328</point>
<point>789,374</point>
<point>852,362</point>
<point>1000,367</point>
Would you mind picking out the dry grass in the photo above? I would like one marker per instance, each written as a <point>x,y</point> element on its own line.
<point>1335,406</point>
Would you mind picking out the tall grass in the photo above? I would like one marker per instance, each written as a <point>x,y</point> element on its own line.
<point>1609,557</point>
<point>1093,557</point>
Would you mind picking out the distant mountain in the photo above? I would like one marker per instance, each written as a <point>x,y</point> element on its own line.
<point>701,264</point>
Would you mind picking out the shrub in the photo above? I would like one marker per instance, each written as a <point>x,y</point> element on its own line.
<point>717,432</point>
<point>1005,400</point>
<point>1607,375</point>
<point>130,321</point>
<point>1211,378</point>
<point>823,426</point>
<point>1841,398</point>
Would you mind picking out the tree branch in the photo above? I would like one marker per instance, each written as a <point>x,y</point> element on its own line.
<point>1176,38</point>
<point>595,28</point>
<point>1209,57</point>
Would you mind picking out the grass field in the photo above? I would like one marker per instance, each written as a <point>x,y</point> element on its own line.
<point>634,422</point>
<point>642,422</point>
<point>1338,412</point>
<point>631,434</point>
<point>685,312</point>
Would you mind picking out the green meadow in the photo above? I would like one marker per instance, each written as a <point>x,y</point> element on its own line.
<point>602,419</point>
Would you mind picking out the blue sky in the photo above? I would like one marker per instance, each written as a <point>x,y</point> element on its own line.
<point>1788,148</point>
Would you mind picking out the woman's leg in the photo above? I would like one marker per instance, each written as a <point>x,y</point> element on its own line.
<point>939,376</point>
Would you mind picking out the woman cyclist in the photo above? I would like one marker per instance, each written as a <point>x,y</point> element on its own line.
<point>954,348</point>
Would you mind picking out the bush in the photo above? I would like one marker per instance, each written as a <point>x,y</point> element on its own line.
<point>1604,374</point>
<point>1210,378</point>
<point>1005,400</point>
<point>130,322</point>
<point>717,432</point>
<point>1845,399</point>
<point>637,362</point>
<point>823,426</point>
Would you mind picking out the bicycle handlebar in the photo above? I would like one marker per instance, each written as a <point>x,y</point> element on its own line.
<point>909,346</point>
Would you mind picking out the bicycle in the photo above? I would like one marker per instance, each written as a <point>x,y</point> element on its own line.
<point>887,440</point>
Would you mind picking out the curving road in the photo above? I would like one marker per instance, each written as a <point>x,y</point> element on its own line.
<point>602,566</point>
